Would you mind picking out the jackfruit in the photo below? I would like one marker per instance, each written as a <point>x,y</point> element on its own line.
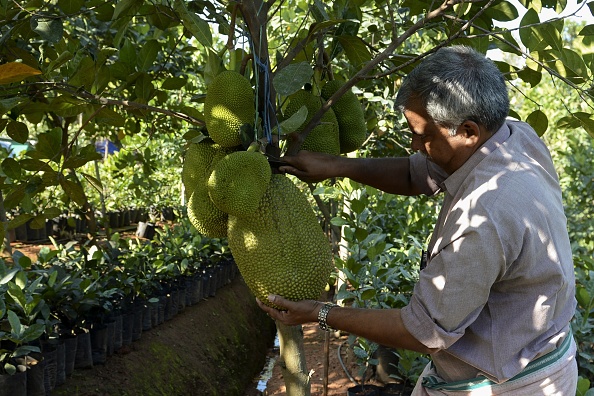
<point>238,182</point>
<point>281,248</point>
<point>198,164</point>
<point>229,104</point>
<point>352,127</point>
<point>324,138</point>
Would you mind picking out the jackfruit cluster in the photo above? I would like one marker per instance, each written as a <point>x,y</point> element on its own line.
<point>352,127</point>
<point>238,182</point>
<point>229,104</point>
<point>281,248</point>
<point>324,138</point>
<point>272,231</point>
<point>199,162</point>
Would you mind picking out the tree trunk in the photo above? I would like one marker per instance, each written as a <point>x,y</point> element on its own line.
<point>4,221</point>
<point>292,360</point>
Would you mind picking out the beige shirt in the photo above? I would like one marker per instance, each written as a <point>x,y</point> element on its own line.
<point>499,289</point>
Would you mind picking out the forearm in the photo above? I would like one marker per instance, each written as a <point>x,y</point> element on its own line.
<point>383,326</point>
<point>391,175</point>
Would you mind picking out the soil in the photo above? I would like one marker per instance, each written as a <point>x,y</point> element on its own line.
<point>324,352</point>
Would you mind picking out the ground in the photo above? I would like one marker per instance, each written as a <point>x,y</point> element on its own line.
<point>339,377</point>
<point>180,352</point>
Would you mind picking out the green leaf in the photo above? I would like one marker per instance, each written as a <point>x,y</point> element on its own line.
<point>537,36</point>
<point>16,293</point>
<point>70,6</point>
<point>124,7</point>
<point>161,17</point>
<point>85,155</point>
<point>62,59</point>
<point>147,55</point>
<point>174,83</point>
<point>368,294</point>
<point>94,182</point>
<point>571,64</point>
<point>8,104</point>
<point>583,297</point>
<point>361,234</point>
<point>293,123</point>
<point>109,117</point>
<point>18,221</point>
<point>9,276</point>
<point>577,120</point>
<point>587,30</point>
<point>15,323</point>
<point>11,168</point>
<point>49,145</point>
<point>67,106</point>
<point>34,165</point>
<point>74,191</point>
<point>38,222</point>
<point>144,88</point>
<point>355,49</point>
<point>199,28</point>
<point>292,78</point>
<point>128,53</point>
<point>530,76</point>
<point>539,121</point>
<point>502,11</point>
<point>17,131</point>
<point>49,29</point>
<point>33,332</point>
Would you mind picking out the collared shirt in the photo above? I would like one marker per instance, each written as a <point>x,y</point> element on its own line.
<point>499,289</point>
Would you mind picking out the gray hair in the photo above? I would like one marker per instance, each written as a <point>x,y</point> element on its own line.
<point>456,84</point>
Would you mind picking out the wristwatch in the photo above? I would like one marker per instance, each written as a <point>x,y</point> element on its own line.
<point>323,314</point>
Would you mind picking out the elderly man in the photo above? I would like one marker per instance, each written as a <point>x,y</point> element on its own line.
<point>494,303</point>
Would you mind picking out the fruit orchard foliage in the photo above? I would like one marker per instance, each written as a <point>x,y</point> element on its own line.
<point>73,72</point>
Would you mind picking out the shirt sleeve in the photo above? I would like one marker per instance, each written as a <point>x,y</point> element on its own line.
<point>426,175</point>
<point>454,287</point>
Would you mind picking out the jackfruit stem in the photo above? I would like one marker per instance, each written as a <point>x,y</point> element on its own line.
<point>253,147</point>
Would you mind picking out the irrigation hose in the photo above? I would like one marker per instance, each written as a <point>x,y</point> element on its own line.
<point>346,371</point>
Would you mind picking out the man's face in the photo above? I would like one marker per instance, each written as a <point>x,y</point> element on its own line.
<point>434,140</point>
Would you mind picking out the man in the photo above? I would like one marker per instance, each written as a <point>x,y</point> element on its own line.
<point>493,305</point>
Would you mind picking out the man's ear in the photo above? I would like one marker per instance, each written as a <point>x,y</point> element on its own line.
<point>471,132</point>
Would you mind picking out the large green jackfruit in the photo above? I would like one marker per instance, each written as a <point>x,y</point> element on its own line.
<point>238,182</point>
<point>350,115</point>
<point>324,138</point>
<point>198,164</point>
<point>229,103</point>
<point>281,249</point>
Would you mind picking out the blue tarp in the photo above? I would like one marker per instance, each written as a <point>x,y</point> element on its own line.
<point>13,147</point>
<point>102,144</point>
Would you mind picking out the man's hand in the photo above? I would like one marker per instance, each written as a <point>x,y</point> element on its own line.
<point>310,166</point>
<point>294,313</point>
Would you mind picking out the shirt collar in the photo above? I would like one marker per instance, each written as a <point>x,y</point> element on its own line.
<point>455,180</point>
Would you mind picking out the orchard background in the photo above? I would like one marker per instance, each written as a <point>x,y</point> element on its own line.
<point>99,99</point>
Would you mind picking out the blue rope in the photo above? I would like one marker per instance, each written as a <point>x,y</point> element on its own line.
<point>269,107</point>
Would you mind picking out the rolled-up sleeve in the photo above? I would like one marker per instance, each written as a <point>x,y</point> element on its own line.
<point>454,287</point>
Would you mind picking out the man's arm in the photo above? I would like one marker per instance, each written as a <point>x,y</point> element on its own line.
<point>388,174</point>
<point>383,326</point>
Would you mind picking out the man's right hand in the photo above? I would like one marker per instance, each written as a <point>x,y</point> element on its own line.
<point>310,166</point>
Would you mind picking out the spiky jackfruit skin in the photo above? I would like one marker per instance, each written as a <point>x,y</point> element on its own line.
<point>324,138</point>
<point>198,157</point>
<point>281,249</point>
<point>229,103</point>
<point>238,182</point>
<point>352,127</point>
<point>198,164</point>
